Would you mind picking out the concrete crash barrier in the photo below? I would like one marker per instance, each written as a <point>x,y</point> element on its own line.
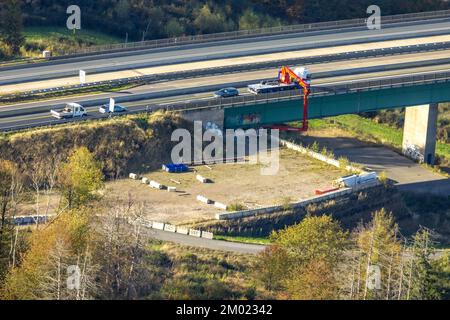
<point>183,230</point>
<point>170,228</point>
<point>195,233</point>
<point>171,189</point>
<point>145,181</point>
<point>156,185</point>
<point>147,224</point>
<point>318,156</point>
<point>204,200</point>
<point>207,235</point>
<point>134,176</point>
<point>270,210</point>
<point>220,205</point>
<point>202,179</point>
<point>158,225</point>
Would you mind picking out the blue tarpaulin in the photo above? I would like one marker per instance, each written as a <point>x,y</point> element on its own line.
<point>175,168</point>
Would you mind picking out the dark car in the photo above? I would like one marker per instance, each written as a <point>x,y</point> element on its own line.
<point>226,93</point>
<point>117,109</point>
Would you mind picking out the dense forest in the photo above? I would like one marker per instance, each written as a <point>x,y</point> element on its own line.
<point>165,18</point>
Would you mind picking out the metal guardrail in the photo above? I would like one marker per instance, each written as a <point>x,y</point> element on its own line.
<point>323,91</point>
<point>242,34</point>
<point>223,103</point>
<point>248,67</point>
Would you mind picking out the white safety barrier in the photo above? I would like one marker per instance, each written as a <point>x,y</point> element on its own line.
<point>301,204</point>
<point>202,179</point>
<point>207,235</point>
<point>145,181</point>
<point>171,189</point>
<point>318,156</point>
<point>158,225</point>
<point>195,233</point>
<point>220,205</point>
<point>170,228</point>
<point>156,185</point>
<point>174,229</point>
<point>204,200</point>
<point>134,176</point>
<point>183,230</point>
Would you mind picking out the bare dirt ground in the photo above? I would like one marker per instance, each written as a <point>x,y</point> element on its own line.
<point>242,184</point>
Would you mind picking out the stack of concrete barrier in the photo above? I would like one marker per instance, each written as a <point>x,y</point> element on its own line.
<point>180,230</point>
<point>318,156</point>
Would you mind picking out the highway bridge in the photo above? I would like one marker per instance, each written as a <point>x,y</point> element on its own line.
<point>355,70</point>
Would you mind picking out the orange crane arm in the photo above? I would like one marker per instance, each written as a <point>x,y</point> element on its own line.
<point>288,76</point>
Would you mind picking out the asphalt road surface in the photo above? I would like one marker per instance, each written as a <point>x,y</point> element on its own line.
<point>408,175</point>
<point>235,247</point>
<point>251,47</point>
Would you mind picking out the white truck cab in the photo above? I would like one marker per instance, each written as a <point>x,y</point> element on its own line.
<point>71,110</point>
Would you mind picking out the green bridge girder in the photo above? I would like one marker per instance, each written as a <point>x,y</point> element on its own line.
<point>333,105</point>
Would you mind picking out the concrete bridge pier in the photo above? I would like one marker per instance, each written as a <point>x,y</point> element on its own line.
<point>419,137</point>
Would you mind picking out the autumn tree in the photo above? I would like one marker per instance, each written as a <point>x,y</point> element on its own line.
<point>80,177</point>
<point>43,272</point>
<point>11,24</point>
<point>424,276</point>
<point>10,192</point>
<point>379,248</point>
<point>315,249</point>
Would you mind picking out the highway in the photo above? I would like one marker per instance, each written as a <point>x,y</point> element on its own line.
<point>149,58</point>
<point>201,89</point>
<point>319,70</point>
<point>367,49</point>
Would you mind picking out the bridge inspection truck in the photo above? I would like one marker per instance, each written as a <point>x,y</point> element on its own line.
<point>71,110</point>
<point>288,80</point>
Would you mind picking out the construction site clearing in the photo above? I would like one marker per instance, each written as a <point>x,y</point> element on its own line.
<point>182,198</point>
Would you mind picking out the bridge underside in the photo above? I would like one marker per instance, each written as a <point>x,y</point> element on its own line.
<point>420,122</point>
<point>333,105</point>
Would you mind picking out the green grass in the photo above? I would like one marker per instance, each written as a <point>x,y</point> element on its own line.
<point>61,40</point>
<point>88,36</point>
<point>380,132</point>
<point>250,240</point>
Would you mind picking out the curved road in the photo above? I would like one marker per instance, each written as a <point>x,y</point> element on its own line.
<point>241,248</point>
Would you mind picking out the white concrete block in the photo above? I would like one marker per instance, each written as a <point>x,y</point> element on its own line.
<point>202,179</point>
<point>172,189</point>
<point>158,225</point>
<point>195,233</point>
<point>220,205</point>
<point>156,185</point>
<point>204,200</point>
<point>134,176</point>
<point>182,230</point>
<point>145,180</point>
<point>207,235</point>
<point>170,228</point>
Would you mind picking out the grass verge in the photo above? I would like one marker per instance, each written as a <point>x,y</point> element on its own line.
<point>249,240</point>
